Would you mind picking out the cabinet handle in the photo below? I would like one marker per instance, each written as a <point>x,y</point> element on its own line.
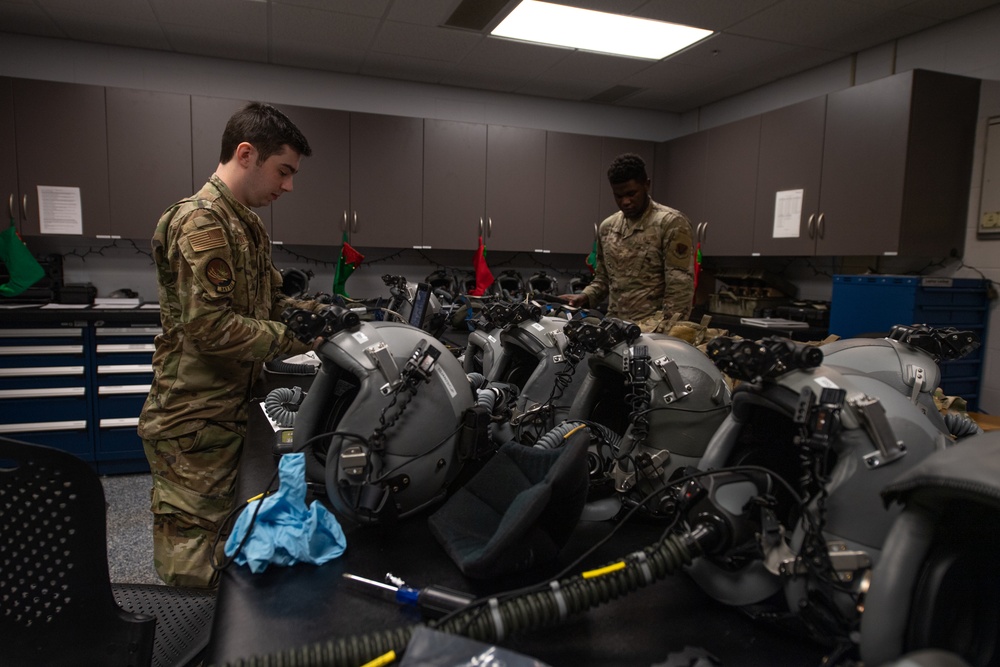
<point>10,206</point>
<point>481,229</point>
<point>596,231</point>
<point>811,226</point>
<point>821,225</point>
<point>24,207</point>
<point>489,227</point>
<point>704,232</point>
<point>354,224</point>
<point>343,225</point>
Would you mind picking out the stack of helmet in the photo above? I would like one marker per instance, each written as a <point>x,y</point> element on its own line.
<point>834,429</point>
<point>657,401</point>
<point>514,344</point>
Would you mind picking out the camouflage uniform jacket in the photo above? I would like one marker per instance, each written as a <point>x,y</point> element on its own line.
<point>645,267</point>
<point>219,301</point>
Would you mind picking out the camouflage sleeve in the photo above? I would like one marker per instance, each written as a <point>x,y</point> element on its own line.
<point>678,267</point>
<point>201,256</point>
<point>598,288</point>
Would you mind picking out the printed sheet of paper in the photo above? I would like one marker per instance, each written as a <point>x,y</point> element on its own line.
<point>787,214</point>
<point>59,210</point>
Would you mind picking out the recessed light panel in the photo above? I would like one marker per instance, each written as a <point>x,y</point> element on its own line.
<point>585,29</point>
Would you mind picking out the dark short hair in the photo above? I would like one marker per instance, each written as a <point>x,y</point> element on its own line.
<point>627,167</point>
<point>266,128</point>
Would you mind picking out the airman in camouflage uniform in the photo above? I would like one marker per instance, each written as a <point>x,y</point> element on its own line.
<point>645,257</point>
<point>220,306</point>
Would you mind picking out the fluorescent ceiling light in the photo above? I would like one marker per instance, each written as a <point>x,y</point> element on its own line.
<point>559,25</point>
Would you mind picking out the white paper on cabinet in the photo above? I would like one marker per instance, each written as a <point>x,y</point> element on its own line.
<point>787,214</point>
<point>59,210</point>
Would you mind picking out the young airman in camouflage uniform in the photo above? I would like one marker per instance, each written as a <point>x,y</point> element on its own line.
<point>645,257</point>
<point>220,306</point>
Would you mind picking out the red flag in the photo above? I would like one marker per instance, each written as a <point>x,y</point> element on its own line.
<point>349,260</point>
<point>484,277</point>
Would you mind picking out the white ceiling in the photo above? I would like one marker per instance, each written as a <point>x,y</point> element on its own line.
<point>756,41</point>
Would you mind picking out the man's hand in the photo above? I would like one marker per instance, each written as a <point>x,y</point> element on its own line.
<point>575,300</point>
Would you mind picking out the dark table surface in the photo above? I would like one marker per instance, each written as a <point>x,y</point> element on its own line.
<point>285,608</point>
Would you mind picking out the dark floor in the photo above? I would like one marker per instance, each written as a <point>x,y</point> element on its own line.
<point>130,529</point>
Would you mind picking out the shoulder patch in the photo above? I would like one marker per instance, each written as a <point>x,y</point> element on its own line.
<point>219,274</point>
<point>206,239</point>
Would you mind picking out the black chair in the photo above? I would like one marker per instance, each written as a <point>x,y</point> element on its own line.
<point>57,603</point>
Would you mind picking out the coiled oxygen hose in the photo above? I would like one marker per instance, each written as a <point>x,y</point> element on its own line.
<point>961,425</point>
<point>502,618</point>
<point>281,405</point>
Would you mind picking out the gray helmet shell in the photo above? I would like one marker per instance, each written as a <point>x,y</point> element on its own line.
<point>353,394</point>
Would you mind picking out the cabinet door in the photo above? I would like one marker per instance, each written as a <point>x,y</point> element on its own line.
<point>731,187</point>
<point>572,165</point>
<point>209,116</point>
<point>612,147</point>
<point>454,183</point>
<point>679,181</point>
<point>313,212</point>
<point>864,166</point>
<point>10,207</point>
<point>515,188</point>
<point>62,141</point>
<point>149,158</point>
<point>791,155</point>
<point>387,166</point>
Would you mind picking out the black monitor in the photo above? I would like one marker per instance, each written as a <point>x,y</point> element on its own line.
<point>421,302</point>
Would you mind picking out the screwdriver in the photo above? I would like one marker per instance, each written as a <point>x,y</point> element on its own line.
<point>434,601</point>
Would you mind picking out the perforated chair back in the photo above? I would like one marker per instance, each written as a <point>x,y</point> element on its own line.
<point>56,602</point>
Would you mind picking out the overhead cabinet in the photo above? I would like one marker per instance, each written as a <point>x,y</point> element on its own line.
<point>62,150</point>
<point>893,167</point>
<point>386,181</point>
<point>8,157</point>
<point>572,192</point>
<point>313,213</point>
<point>711,177</point>
<point>149,157</point>
<point>484,180</point>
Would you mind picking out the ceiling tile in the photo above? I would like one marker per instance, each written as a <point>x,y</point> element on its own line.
<point>730,52</point>
<point>27,19</point>
<point>815,23</point>
<point>707,14</point>
<point>429,43</point>
<point>120,31</point>
<point>209,41</point>
<point>946,10</point>
<point>603,69</point>
<point>138,10</point>
<point>423,12</point>
<point>563,88</point>
<point>310,55</point>
<point>370,8</point>
<point>223,15</point>
<point>339,33</point>
<point>510,56</point>
<point>406,68</point>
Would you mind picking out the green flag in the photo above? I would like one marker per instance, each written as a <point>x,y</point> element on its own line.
<point>349,260</point>
<point>22,267</point>
<point>592,258</point>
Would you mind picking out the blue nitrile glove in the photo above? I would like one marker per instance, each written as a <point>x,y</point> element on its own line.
<point>286,531</point>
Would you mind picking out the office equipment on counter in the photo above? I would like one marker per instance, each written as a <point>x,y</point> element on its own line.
<point>750,293</point>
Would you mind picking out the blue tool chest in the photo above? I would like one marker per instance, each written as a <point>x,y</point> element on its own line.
<point>77,385</point>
